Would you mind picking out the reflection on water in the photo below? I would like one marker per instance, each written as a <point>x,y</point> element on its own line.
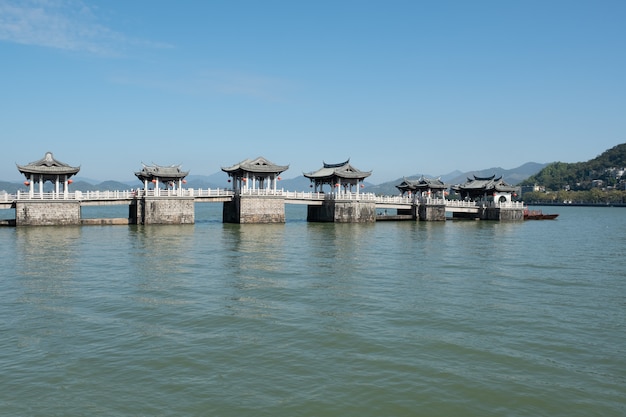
<point>407,318</point>
<point>46,265</point>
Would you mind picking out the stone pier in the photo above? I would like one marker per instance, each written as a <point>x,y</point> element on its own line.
<point>47,213</point>
<point>503,214</point>
<point>162,210</point>
<point>343,212</point>
<point>254,209</point>
<point>432,212</point>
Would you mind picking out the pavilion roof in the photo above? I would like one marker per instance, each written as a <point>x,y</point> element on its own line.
<point>422,183</point>
<point>486,184</point>
<point>257,165</point>
<point>340,170</point>
<point>48,166</point>
<point>165,173</point>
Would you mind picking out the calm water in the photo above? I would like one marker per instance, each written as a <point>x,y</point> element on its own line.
<point>460,318</point>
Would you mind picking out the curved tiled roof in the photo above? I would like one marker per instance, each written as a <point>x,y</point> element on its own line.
<point>163,173</point>
<point>485,184</point>
<point>48,166</point>
<point>342,170</point>
<point>258,165</point>
<point>421,183</point>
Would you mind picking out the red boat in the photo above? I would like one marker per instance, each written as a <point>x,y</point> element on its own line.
<point>538,215</point>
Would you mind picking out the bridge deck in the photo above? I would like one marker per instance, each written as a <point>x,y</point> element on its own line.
<point>105,198</point>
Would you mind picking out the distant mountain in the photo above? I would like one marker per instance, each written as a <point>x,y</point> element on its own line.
<point>113,186</point>
<point>512,176</point>
<point>85,179</point>
<point>10,187</point>
<point>301,184</point>
<point>216,180</point>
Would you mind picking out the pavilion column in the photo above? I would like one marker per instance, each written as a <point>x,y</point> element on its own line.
<point>56,187</point>
<point>31,185</point>
<point>156,187</point>
<point>41,186</point>
<point>65,190</point>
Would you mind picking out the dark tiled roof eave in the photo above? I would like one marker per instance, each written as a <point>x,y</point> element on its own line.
<point>45,170</point>
<point>48,165</point>
<point>344,170</point>
<point>258,165</point>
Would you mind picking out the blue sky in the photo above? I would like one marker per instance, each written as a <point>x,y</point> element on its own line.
<point>399,87</point>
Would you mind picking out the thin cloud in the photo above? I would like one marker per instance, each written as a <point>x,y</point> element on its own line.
<point>214,83</point>
<point>61,24</point>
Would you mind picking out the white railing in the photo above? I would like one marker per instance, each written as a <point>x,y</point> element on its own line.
<point>184,192</point>
<point>115,195</point>
<point>463,203</point>
<point>394,199</point>
<point>220,192</point>
<point>432,201</point>
<point>471,204</point>
<point>512,205</point>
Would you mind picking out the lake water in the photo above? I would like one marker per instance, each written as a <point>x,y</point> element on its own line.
<point>456,318</point>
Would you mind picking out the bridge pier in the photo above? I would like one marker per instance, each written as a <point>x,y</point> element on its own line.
<point>491,213</point>
<point>343,212</point>
<point>502,214</point>
<point>254,209</point>
<point>432,212</point>
<point>162,210</point>
<point>47,213</point>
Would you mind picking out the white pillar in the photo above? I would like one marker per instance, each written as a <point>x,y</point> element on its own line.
<point>65,190</point>
<point>40,186</point>
<point>31,186</point>
<point>156,187</point>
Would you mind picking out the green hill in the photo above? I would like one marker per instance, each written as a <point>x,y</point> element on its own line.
<point>605,171</point>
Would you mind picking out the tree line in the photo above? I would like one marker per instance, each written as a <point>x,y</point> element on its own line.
<point>601,180</point>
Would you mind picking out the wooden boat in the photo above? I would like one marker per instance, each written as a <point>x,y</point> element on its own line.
<point>538,215</point>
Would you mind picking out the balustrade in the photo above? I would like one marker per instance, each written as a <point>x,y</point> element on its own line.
<point>288,195</point>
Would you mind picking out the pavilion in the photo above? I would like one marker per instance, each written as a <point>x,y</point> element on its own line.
<point>172,177</point>
<point>337,176</point>
<point>48,169</point>
<point>486,189</point>
<point>257,174</point>
<point>423,187</point>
